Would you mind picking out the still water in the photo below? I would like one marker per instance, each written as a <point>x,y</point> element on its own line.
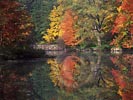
<point>70,76</point>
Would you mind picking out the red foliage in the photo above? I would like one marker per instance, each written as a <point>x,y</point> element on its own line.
<point>119,23</point>
<point>131,27</point>
<point>67,28</point>
<point>124,81</point>
<point>8,86</point>
<point>12,19</point>
<point>119,78</point>
<point>128,95</point>
<point>122,24</point>
<point>127,5</point>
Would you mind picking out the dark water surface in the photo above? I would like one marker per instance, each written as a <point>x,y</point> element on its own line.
<point>71,76</point>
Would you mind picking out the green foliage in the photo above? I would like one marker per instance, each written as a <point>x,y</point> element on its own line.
<point>42,85</point>
<point>39,10</point>
<point>93,20</point>
<point>83,45</point>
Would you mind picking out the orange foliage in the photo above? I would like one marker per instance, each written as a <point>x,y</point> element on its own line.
<point>119,23</point>
<point>67,71</point>
<point>123,24</point>
<point>123,80</point>
<point>127,5</point>
<point>127,44</point>
<point>68,29</point>
<point>128,95</point>
<point>131,26</point>
<point>63,73</point>
<point>119,78</point>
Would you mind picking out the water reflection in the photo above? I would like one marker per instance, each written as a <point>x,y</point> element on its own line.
<point>13,82</point>
<point>93,76</point>
<point>63,71</point>
<point>26,80</point>
<point>70,76</point>
<point>123,75</point>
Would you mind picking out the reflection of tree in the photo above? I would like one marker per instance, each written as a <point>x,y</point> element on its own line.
<point>26,81</point>
<point>98,84</point>
<point>13,83</point>
<point>42,86</point>
<point>8,90</point>
<point>62,74</point>
<point>123,75</point>
<point>94,69</point>
<point>94,82</point>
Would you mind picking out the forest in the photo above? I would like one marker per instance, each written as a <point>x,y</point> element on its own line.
<point>74,24</point>
<point>66,49</point>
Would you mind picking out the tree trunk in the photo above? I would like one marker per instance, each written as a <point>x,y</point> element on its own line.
<point>98,41</point>
<point>99,44</point>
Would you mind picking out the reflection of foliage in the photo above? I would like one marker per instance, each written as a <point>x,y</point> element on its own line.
<point>123,75</point>
<point>55,71</point>
<point>14,81</point>
<point>62,74</point>
<point>89,92</point>
<point>42,85</point>
<point>68,70</point>
<point>7,86</point>
<point>93,79</point>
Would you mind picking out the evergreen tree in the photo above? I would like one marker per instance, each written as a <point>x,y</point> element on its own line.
<point>39,10</point>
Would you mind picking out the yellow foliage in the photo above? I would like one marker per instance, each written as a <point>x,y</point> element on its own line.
<point>55,71</point>
<point>119,92</point>
<point>22,27</point>
<point>109,83</point>
<point>25,33</point>
<point>119,9</point>
<point>54,31</point>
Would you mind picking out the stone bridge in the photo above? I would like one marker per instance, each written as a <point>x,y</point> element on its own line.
<point>48,47</point>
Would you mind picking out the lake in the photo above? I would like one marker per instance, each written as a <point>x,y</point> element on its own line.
<point>69,76</point>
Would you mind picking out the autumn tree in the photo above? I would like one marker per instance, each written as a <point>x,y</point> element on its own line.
<point>15,25</point>
<point>54,31</point>
<point>92,19</point>
<point>122,75</point>
<point>67,26</point>
<point>123,26</point>
<point>62,73</point>
<point>62,24</point>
